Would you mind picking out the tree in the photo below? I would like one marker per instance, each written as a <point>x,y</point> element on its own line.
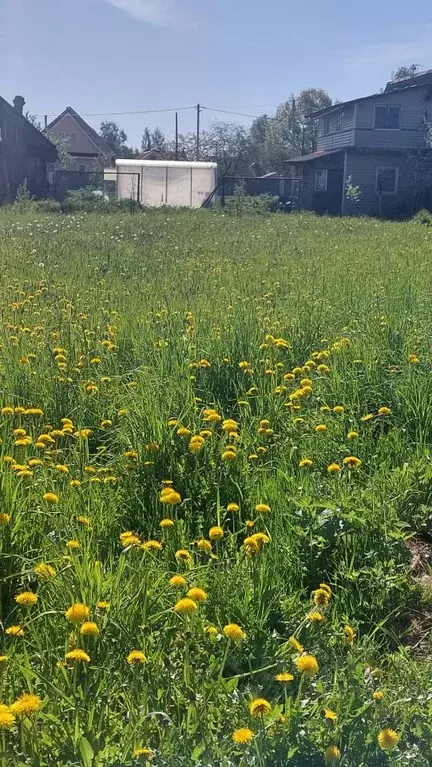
<point>116,138</point>
<point>153,140</point>
<point>405,71</point>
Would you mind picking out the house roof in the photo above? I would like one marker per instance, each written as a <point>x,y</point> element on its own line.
<point>407,83</point>
<point>101,145</point>
<point>37,135</point>
<point>313,156</point>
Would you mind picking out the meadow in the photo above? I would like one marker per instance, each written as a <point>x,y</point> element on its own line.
<point>215,468</point>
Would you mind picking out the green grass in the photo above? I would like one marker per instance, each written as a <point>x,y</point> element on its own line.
<point>142,321</point>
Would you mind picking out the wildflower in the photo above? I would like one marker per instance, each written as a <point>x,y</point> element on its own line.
<point>352,435</point>
<point>77,613</point>
<point>169,496</point>
<point>7,411</point>
<point>26,705</point>
<point>387,739</point>
<point>4,519</point>
<point>102,604</point>
<point>339,409</point>
<point>325,409</point>
<point>212,631</point>
<point>229,455</point>
<point>165,524</point>
<point>144,752</point>
<point>292,641</point>
<point>367,417</point>
<point>105,423</point>
<point>307,665</point>
<point>26,598</point>
<point>333,468</point>
<point>74,483</point>
<point>184,555</point>
<point>304,463</point>
<point>250,523</point>
<point>185,606</point>
<point>135,657</point>
<point>233,507</point>
<point>196,444</point>
<point>7,718</point>
<point>321,597</point>
<point>284,677</point>
<point>262,508</point>
<point>83,521</point>
<point>349,634</point>
<point>15,631</point>
<point>73,544</point>
<point>412,359</point>
<point>197,594</point>
<point>229,426</point>
<point>216,533</point>
<point>384,411</point>
<point>377,696</point>
<point>330,715</point>
<point>178,581</point>
<point>332,754</point>
<point>79,656</point>
<point>3,659</point>
<point>323,369</point>
<point>242,736</point>
<point>259,707</point>
<point>316,617</point>
<point>152,545</point>
<point>44,571</point>
<point>351,462</point>
<point>204,545</point>
<point>321,428</point>
<point>89,629</point>
<point>234,632</point>
<point>51,498</point>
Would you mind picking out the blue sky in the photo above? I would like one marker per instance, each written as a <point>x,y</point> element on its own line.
<point>126,55</point>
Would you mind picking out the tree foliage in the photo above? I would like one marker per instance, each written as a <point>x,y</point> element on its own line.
<point>116,138</point>
<point>405,71</point>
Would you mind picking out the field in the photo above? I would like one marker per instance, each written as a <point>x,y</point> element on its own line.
<point>216,494</point>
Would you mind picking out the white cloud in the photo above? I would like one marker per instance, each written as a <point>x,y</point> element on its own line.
<point>159,12</point>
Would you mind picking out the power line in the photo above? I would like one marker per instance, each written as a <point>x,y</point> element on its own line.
<point>106,114</point>
<point>227,112</point>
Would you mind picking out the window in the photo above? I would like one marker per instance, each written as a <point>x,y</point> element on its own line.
<point>326,126</point>
<point>320,180</point>
<point>339,118</point>
<point>81,168</point>
<point>387,180</point>
<point>387,118</point>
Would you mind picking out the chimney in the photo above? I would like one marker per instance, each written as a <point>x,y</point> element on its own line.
<point>18,103</point>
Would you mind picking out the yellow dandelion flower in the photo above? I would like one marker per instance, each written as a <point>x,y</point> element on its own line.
<point>333,468</point>
<point>178,581</point>
<point>259,707</point>
<point>165,524</point>
<point>204,545</point>
<point>26,705</point>
<point>89,629</point>
<point>7,718</point>
<point>339,409</point>
<point>142,752</point>
<point>229,455</point>
<point>77,613</point>
<point>26,598</point>
<point>79,656</point>
<point>212,631</point>
<point>15,631</point>
<point>321,597</point>
<point>388,739</point>
<point>4,519</point>
<point>196,444</point>
<point>242,736</point>
<point>332,754</point>
<point>234,632</point>
<point>135,657</point>
<point>304,463</point>
<point>73,544</point>
<point>412,359</point>
<point>307,665</point>
<point>216,533</point>
<point>377,696</point>
<point>351,462</point>
<point>367,417</point>
<point>152,545</point>
<point>185,606</point>
<point>102,604</point>
<point>349,634</point>
<point>169,496</point>
<point>292,641</point>
<point>44,571</point>
<point>262,508</point>
<point>330,715</point>
<point>233,507</point>
<point>197,594</point>
<point>284,677</point>
<point>352,435</point>
<point>316,617</point>
<point>321,428</point>
<point>384,411</point>
<point>4,659</point>
<point>184,555</point>
<point>51,497</point>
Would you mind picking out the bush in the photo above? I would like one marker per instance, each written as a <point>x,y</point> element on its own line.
<point>423,217</point>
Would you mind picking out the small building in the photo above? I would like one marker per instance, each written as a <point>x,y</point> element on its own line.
<point>24,152</point>
<point>87,149</point>
<point>166,182</point>
<point>377,146</point>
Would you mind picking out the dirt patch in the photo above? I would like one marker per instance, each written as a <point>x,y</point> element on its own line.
<point>419,638</point>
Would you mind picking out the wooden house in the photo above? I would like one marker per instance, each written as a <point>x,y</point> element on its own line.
<point>24,152</point>
<point>378,146</point>
<point>87,149</point>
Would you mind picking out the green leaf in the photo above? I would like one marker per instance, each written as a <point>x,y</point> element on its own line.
<point>86,751</point>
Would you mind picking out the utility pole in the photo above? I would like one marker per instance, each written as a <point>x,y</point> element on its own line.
<point>198,133</point>
<point>46,121</point>
<point>176,135</point>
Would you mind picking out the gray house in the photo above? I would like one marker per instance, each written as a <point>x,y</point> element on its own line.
<point>87,149</point>
<point>379,143</point>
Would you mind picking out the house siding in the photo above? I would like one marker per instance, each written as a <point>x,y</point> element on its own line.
<point>412,132</point>
<point>362,168</point>
<point>83,144</point>
<point>335,139</point>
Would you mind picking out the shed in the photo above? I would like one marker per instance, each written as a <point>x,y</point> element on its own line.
<point>166,182</point>
<point>24,152</point>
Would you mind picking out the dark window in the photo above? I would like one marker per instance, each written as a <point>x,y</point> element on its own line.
<point>82,168</point>
<point>326,126</point>
<point>387,180</point>
<point>320,180</point>
<point>339,118</point>
<point>387,118</point>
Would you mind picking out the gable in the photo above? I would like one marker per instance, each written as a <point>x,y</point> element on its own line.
<point>83,139</point>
